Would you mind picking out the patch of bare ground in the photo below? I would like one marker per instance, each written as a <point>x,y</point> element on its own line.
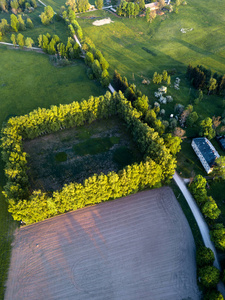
<point>48,174</point>
<point>137,247</point>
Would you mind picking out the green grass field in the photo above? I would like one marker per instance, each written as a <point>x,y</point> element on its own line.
<point>29,81</point>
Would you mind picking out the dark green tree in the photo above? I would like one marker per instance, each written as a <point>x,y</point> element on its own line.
<point>209,276</point>
<point>204,256</point>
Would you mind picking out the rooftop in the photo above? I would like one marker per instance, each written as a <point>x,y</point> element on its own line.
<point>221,140</point>
<point>207,150</point>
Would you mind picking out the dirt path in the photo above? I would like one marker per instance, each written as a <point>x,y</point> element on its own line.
<point>137,247</point>
<point>200,221</point>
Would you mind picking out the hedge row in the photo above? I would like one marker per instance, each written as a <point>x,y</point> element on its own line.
<point>158,164</point>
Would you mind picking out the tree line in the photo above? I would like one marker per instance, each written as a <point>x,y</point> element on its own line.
<point>157,166</point>
<point>17,24</point>
<point>130,9</point>
<point>53,45</point>
<point>203,79</point>
<point>17,6</point>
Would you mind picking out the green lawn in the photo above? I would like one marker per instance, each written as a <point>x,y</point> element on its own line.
<point>28,81</point>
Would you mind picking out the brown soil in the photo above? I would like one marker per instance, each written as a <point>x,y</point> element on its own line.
<point>137,247</point>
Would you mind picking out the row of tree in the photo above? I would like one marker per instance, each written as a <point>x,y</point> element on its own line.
<point>21,41</point>
<point>53,45</point>
<point>17,24</point>
<point>47,15</point>
<point>98,66</point>
<point>205,80</point>
<point>208,275</point>
<point>130,9</point>
<point>78,5</point>
<point>159,78</point>
<point>17,6</point>
<point>158,164</point>
<point>209,209</point>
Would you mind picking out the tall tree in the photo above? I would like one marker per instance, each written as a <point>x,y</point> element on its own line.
<point>14,23</point>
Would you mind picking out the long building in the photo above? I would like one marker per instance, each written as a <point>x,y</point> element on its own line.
<point>205,152</point>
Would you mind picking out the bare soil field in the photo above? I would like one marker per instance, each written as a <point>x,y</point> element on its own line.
<point>77,153</point>
<point>137,247</point>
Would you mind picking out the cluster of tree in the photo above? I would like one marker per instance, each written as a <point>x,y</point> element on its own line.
<point>67,14</point>
<point>98,66</point>
<point>139,101</point>
<point>206,203</point>
<point>17,6</point>
<point>159,78</point>
<point>203,79</point>
<point>78,5</point>
<point>21,41</point>
<point>130,9</point>
<point>158,164</point>
<point>53,45</point>
<point>75,28</point>
<point>208,275</point>
<point>130,90</point>
<point>47,15</point>
<point>99,4</point>
<point>206,128</point>
<point>17,24</point>
<point>187,117</point>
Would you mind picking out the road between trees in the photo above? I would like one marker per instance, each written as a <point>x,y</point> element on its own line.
<point>201,223</point>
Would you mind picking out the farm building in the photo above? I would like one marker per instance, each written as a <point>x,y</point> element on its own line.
<point>152,6</point>
<point>205,152</point>
<point>221,141</point>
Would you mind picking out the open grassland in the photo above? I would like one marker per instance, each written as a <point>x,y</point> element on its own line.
<point>137,247</point>
<point>75,154</point>
<point>29,81</point>
<point>122,42</point>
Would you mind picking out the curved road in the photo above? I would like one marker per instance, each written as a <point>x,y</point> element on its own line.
<point>201,223</point>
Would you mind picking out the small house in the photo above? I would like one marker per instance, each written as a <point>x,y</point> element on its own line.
<point>206,152</point>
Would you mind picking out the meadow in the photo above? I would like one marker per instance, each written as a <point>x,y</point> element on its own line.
<point>75,154</point>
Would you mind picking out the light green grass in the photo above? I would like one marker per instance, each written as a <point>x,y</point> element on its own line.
<point>28,81</point>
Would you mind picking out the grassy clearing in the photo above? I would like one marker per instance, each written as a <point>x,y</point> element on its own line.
<point>188,213</point>
<point>95,145</point>
<point>30,81</point>
<point>64,157</point>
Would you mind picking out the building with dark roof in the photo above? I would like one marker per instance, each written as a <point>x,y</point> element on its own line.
<point>221,141</point>
<point>205,152</point>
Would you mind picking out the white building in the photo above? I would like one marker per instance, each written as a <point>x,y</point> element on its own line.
<point>205,152</point>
